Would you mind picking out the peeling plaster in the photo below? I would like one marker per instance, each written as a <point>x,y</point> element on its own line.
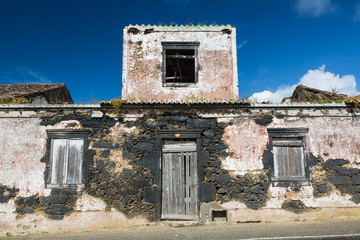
<point>246,141</point>
<point>143,74</point>
<point>22,146</point>
<point>69,124</point>
<point>89,203</point>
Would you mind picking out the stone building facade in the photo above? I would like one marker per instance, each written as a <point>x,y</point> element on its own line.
<point>165,157</point>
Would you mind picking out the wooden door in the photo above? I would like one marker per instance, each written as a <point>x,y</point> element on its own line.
<point>179,181</point>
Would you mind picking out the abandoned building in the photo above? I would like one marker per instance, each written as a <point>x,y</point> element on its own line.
<point>35,93</point>
<point>178,146</point>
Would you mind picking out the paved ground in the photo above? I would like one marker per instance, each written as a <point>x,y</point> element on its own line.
<point>325,229</point>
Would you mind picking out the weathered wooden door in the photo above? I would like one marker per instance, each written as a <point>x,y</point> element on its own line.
<point>179,181</point>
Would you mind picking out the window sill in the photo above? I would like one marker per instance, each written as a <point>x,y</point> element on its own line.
<point>181,85</point>
<point>298,182</point>
<point>77,187</point>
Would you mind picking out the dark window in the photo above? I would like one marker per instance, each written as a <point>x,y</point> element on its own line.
<point>289,154</point>
<point>179,63</point>
<point>66,157</point>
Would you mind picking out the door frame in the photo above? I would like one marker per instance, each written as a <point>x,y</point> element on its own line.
<point>181,135</point>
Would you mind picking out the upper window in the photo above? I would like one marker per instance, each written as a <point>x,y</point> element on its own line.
<point>289,154</point>
<point>66,157</point>
<point>180,63</point>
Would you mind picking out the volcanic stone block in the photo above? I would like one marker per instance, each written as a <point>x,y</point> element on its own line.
<point>105,145</point>
<point>126,173</point>
<point>324,188</point>
<point>217,148</point>
<point>203,158</point>
<point>356,179</point>
<point>140,182</point>
<point>264,120</point>
<point>256,189</point>
<point>143,146</point>
<point>152,195</point>
<point>215,164</point>
<point>223,178</point>
<point>335,162</point>
<point>339,180</point>
<point>105,153</point>
<point>209,133</point>
<point>150,160</point>
<point>59,209</point>
<point>207,192</point>
<point>56,199</point>
<point>199,124</point>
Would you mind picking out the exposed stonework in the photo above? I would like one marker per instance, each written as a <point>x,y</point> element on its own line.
<point>234,168</point>
<point>336,175</point>
<point>306,94</point>
<point>7,193</point>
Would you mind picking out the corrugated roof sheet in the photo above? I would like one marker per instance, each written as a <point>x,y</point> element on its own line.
<point>22,90</point>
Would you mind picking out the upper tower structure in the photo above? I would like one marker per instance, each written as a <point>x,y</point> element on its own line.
<point>179,63</point>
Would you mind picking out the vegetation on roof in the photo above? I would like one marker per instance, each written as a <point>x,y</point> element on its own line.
<point>14,100</point>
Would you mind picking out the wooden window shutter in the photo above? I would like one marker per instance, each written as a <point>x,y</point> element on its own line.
<point>288,159</point>
<point>67,161</point>
<point>59,156</point>
<point>74,166</point>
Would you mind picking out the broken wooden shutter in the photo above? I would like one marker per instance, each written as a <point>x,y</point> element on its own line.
<point>288,158</point>
<point>66,161</point>
<point>179,188</point>
<point>75,161</point>
<point>59,157</point>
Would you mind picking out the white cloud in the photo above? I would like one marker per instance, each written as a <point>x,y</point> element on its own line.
<point>275,97</point>
<point>24,76</point>
<point>314,8</point>
<point>242,44</point>
<point>317,78</point>
<point>357,13</point>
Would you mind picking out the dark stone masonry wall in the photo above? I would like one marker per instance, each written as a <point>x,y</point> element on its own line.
<point>59,203</point>
<point>132,185</point>
<point>334,174</point>
<point>7,193</point>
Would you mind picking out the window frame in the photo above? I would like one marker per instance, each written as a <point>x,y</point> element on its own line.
<point>290,134</point>
<point>67,134</point>
<point>181,46</point>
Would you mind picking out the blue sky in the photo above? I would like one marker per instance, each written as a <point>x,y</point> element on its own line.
<point>280,42</point>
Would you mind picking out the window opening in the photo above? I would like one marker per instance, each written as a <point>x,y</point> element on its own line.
<point>219,215</point>
<point>289,154</point>
<point>66,161</point>
<point>179,63</point>
<point>66,157</point>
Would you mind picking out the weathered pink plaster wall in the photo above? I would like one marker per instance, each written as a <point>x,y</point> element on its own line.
<point>142,63</point>
<point>22,145</point>
<point>328,137</point>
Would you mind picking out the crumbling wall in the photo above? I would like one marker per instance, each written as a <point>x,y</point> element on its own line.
<point>123,178</point>
<point>333,152</point>
<point>143,67</point>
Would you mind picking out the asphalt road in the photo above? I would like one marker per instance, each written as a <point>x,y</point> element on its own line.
<point>325,229</point>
